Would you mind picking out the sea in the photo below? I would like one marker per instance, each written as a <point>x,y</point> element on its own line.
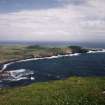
<point>56,43</point>
<point>59,67</point>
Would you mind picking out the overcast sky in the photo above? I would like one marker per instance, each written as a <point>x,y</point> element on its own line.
<point>52,20</point>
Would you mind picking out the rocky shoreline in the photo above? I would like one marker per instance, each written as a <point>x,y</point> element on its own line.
<point>47,55</point>
<point>44,56</point>
<point>5,73</point>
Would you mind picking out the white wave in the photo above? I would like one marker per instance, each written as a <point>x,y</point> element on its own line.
<point>98,51</point>
<point>21,78</point>
<point>5,65</point>
<point>17,79</point>
<point>17,73</point>
<point>52,57</point>
<point>20,74</point>
<point>103,50</point>
<point>32,78</point>
<point>91,52</point>
<point>75,54</point>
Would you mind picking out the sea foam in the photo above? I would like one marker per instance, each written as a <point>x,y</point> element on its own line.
<point>20,74</point>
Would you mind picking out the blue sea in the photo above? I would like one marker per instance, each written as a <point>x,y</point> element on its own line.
<point>55,68</point>
<point>85,65</point>
<point>56,43</point>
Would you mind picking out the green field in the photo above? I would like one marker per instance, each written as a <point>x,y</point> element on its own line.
<point>22,52</point>
<point>73,91</point>
<point>15,52</point>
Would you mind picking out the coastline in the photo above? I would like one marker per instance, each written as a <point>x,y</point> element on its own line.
<point>9,62</point>
<point>14,75</point>
<point>34,58</point>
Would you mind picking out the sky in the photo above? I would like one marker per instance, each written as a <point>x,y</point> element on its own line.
<point>52,20</point>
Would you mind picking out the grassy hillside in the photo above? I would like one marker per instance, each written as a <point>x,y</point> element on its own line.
<point>73,91</point>
<point>11,52</point>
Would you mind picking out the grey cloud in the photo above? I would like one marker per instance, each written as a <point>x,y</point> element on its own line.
<point>75,20</point>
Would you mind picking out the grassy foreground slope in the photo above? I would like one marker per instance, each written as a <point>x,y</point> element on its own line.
<point>73,91</point>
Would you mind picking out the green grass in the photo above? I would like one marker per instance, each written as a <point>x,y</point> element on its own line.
<point>73,91</point>
<point>14,52</point>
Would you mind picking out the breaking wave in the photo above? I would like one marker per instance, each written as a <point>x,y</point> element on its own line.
<point>99,51</point>
<point>20,74</point>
